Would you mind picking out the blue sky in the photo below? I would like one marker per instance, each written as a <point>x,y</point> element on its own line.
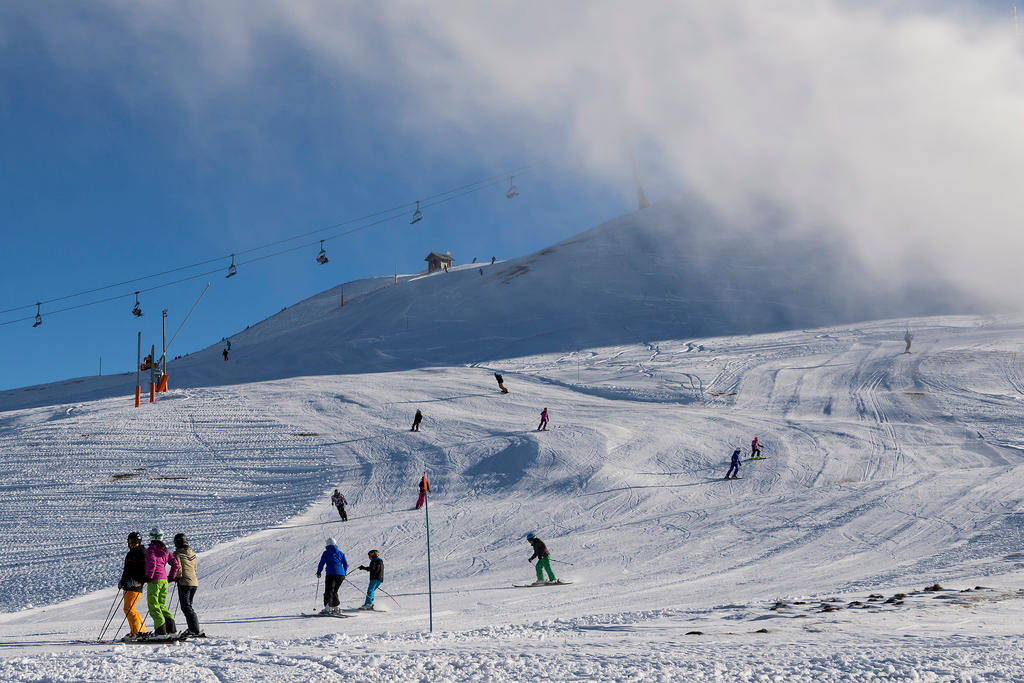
<point>137,138</point>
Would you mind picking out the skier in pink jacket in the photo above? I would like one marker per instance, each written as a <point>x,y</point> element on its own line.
<point>543,426</point>
<point>157,559</point>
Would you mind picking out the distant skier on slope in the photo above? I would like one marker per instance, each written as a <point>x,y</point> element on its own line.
<point>417,418</point>
<point>225,354</point>
<point>188,582</point>
<point>755,449</point>
<point>157,559</point>
<point>734,467</point>
<point>133,578</point>
<point>424,490</point>
<point>543,557</point>
<point>908,338</point>
<point>376,570</point>
<point>501,383</point>
<point>336,565</point>
<point>338,501</point>
<point>543,426</point>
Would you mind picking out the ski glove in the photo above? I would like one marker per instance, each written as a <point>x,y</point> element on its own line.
<point>318,575</point>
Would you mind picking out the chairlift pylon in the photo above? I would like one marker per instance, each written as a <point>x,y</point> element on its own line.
<point>417,215</point>
<point>137,311</point>
<point>513,191</point>
<point>39,317</point>
<point>321,258</point>
<point>232,271</point>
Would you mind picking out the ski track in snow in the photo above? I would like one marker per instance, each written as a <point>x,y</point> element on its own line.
<point>883,470</point>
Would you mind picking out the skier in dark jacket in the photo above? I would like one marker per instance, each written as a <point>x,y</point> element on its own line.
<point>501,383</point>
<point>376,570</point>
<point>543,426</point>
<point>416,421</point>
<point>336,565</point>
<point>133,578</point>
<point>338,501</point>
<point>543,557</point>
<point>734,467</point>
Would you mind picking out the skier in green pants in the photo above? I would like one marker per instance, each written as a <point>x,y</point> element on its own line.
<point>157,559</point>
<point>540,551</point>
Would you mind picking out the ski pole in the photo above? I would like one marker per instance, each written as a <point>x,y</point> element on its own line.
<point>561,562</point>
<point>110,615</point>
<point>317,591</point>
<point>170,597</point>
<point>389,595</point>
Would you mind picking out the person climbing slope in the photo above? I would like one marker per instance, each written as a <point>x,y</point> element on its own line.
<point>424,490</point>
<point>543,426</point>
<point>543,557</point>
<point>755,449</point>
<point>417,418</point>
<point>225,354</point>
<point>376,570</point>
<point>338,501</point>
<point>334,560</point>
<point>133,578</point>
<point>188,583</point>
<point>734,466</point>
<point>157,559</point>
<point>501,383</point>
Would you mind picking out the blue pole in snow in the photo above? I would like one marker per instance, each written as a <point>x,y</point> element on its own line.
<point>430,588</point>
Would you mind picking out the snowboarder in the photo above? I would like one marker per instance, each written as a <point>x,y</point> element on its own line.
<point>376,570</point>
<point>225,354</point>
<point>908,338</point>
<point>133,578</point>
<point>336,565</point>
<point>188,583</point>
<point>416,421</point>
<point>755,449</point>
<point>424,489</point>
<point>338,501</point>
<point>734,467</point>
<point>543,426</point>
<point>157,559</point>
<point>501,383</point>
<point>540,552</point>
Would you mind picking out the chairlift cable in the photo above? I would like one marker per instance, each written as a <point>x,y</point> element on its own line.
<point>397,208</point>
<point>438,199</point>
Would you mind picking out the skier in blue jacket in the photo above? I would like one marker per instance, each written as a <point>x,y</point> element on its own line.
<point>734,468</point>
<point>337,566</point>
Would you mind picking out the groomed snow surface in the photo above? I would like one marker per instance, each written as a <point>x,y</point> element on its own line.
<point>885,472</point>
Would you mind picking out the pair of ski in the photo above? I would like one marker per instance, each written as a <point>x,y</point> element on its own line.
<point>155,640</point>
<point>541,584</point>
<point>339,615</point>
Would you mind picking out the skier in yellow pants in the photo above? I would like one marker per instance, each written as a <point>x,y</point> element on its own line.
<point>132,579</point>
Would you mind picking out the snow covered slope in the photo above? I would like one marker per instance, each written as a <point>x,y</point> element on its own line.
<point>885,472</point>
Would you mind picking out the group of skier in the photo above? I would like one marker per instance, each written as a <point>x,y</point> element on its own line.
<point>148,567</point>
<point>333,560</point>
<point>734,463</point>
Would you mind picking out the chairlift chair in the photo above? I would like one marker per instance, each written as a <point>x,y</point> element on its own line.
<point>137,312</point>
<point>321,258</point>
<point>513,191</point>
<point>232,271</point>
<point>417,215</point>
<point>39,317</point>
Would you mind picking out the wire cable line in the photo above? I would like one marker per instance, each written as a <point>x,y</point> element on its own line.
<point>399,211</point>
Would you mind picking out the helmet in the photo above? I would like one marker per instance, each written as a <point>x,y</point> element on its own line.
<point>373,553</point>
<point>530,536</point>
<point>180,541</point>
<point>331,541</point>
<point>134,536</point>
<point>156,534</point>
